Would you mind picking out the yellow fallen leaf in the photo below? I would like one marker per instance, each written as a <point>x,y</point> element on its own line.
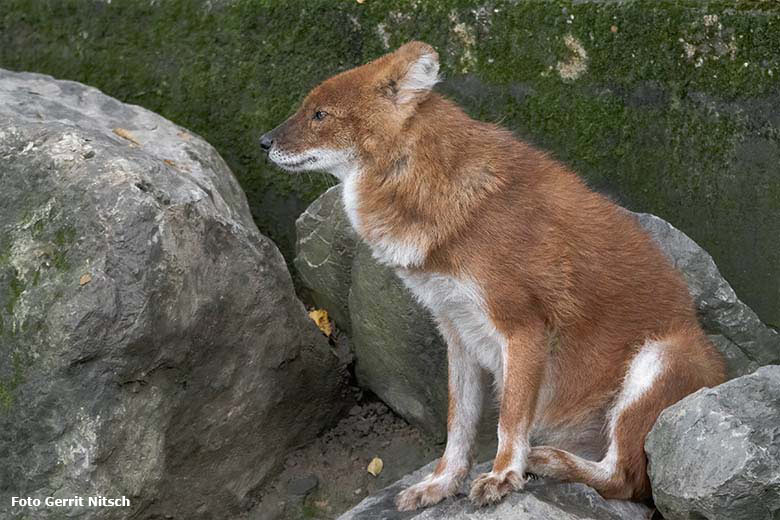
<point>320,317</point>
<point>85,279</point>
<point>375,466</point>
<point>125,134</point>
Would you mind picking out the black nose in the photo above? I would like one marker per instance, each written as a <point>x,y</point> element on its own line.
<point>266,142</point>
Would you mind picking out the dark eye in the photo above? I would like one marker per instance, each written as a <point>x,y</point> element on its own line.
<point>319,115</point>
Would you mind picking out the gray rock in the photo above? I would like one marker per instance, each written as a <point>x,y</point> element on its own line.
<point>303,486</point>
<point>151,344</point>
<point>733,326</point>
<point>716,454</point>
<point>398,351</point>
<point>540,500</point>
<point>401,358</point>
<point>324,253</point>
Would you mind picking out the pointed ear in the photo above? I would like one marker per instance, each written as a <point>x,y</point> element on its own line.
<point>414,73</point>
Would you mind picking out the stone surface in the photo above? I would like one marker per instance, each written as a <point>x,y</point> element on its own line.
<point>399,354</point>
<point>303,486</point>
<point>715,455</point>
<point>325,249</point>
<point>540,500</point>
<point>397,349</point>
<point>400,357</point>
<point>151,344</point>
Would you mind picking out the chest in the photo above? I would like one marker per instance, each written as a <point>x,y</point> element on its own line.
<point>396,250</point>
<point>349,197</point>
<point>461,303</point>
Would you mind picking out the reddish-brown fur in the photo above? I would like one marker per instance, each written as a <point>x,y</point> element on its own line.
<point>553,259</point>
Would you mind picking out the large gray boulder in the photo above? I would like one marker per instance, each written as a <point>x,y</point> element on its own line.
<point>151,345</point>
<point>325,252</point>
<point>715,455</point>
<point>399,354</point>
<point>400,357</point>
<point>539,500</point>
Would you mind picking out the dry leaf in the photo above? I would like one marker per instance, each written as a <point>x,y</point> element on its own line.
<point>375,466</point>
<point>170,163</point>
<point>85,279</point>
<point>184,136</point>
<point>320,317</point>
<point>125,134</point>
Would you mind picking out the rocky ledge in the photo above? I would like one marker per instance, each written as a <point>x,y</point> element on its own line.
<point>540,500</point>
<point>714,455</point>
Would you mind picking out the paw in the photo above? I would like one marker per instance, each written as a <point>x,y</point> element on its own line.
<point>426,493</point>
<point>430,491</point>
<point>489,488</point>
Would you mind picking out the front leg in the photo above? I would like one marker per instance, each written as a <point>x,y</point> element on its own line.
<point>524,359</point>
<point>465,403</point>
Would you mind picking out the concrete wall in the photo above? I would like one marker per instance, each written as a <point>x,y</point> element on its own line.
<point>670,107</point>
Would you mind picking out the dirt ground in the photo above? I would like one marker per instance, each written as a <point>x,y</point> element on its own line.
<point>329,476</point>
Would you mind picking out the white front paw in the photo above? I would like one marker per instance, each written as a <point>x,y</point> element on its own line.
<point>432,490</point>
<point>489,488</point>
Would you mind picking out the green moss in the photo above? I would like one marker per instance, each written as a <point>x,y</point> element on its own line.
<point>15,290</point>
<point>8,387</point>
<point>6,398</point>
<point>64,236</point>
<point>37,228</point>
<point>666,116</point>
<point>309,510</point>
<point>63,239</point>
<point>5,251</point>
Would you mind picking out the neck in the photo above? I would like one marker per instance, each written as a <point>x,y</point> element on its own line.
<point>419,190</point>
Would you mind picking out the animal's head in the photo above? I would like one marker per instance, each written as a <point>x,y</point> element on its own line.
<point>351,116</point>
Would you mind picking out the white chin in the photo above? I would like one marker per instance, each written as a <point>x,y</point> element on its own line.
<point>298,166</point>
<point>335,162</point>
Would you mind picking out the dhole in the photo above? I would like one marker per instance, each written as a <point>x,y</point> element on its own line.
<point>586,328</point>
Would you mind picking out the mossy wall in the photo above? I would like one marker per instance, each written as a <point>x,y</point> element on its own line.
<point>670,107</point>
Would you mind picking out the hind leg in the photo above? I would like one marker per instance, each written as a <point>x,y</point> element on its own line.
<point>621,474</point>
